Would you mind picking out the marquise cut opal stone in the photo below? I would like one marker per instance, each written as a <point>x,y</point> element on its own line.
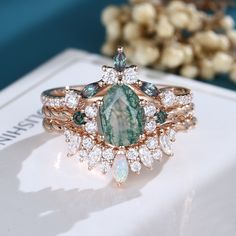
<point>121,118</point>
<point>120,168</point>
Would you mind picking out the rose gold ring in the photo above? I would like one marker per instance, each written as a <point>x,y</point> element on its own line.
<point>120,122</point>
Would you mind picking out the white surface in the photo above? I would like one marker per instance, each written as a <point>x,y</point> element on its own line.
<point>44,193</point>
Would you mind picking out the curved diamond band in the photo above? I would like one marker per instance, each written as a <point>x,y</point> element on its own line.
<point>119,122</point>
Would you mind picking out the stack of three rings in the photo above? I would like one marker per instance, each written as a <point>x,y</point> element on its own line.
<point>120,122</point>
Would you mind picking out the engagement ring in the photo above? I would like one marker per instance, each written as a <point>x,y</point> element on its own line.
<point>120,122</point>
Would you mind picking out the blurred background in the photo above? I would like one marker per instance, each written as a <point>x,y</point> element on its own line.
<point>34,31</point>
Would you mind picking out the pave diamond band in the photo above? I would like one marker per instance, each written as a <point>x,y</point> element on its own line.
<point>120,122</point>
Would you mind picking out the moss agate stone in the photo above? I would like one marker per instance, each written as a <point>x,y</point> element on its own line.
<point>121,118</point>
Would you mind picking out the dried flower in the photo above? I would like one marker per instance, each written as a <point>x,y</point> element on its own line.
<point>176,36</point>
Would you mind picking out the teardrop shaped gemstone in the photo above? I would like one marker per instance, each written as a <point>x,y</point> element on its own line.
<point>120,168</point>
<point>121,118</point>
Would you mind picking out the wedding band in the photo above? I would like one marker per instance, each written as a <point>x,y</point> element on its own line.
<point>119,122</point>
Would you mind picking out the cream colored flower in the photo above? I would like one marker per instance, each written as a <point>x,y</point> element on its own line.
<point>132,31</point>
<point>109,14</point>
<point>108,48</point>
<point>146,55</point>
<point>176,6</point>
<point>227,22</point>
<point>222,62</point>
<point>233,73</point>
<point>189,71</point>
<point>144,13</point>
<point>208,40</point>
<point>113,30</point>
<point>188,53</point>
<point>224,42</point>
<point>179,19</point>
<point>207,71</point>
<point>163,28</point>
<point>172,57</point>
<point>232,36</point>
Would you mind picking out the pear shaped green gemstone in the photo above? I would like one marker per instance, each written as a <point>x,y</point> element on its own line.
<point>121,118</point>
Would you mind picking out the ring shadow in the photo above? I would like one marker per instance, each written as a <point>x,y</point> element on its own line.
<point>22,213</point>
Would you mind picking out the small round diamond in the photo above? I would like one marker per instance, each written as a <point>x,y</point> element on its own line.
<point>91,111</point>
<point>91,127</point>
<point>130,75</point>
<point>108,154</point>
<point>132,154</point>
<point>150,110</point>
<point>82,155</point>
<point>71,99</point>
<point>152,143</point>
<point>157,154</point>
<point>51,103</point>
<point>57,103</point>
<point>110,76</point>
<point>167,98</point>
<point>135,166</point>
<point>105,167</point>
<point>87,143</point>
<point>150,126</point>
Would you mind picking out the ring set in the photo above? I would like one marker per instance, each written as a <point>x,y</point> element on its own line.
<point>120,122</point>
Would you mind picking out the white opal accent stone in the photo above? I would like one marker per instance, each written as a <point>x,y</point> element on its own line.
<point>120,168</point>
<point>165,144</point>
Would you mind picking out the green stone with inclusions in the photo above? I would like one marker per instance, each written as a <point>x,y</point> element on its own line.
<point>161,117</point>
<point>78,118</point>
<point>121,118</point>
